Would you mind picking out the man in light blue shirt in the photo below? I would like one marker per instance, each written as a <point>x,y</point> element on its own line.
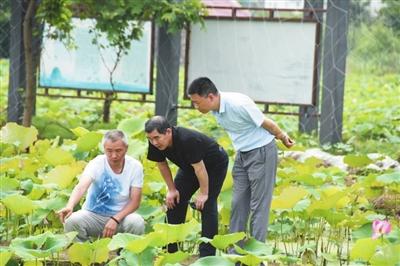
<point>253,137</point>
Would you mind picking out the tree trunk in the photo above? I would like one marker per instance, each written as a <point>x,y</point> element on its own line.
<point>107,107</point>
<point>30,67</point>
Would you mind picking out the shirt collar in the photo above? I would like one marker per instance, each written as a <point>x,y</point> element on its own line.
<point>222,103</point>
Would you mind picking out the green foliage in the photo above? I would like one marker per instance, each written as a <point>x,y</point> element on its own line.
<point>5,16</point>
<point>213,260</point>
<point>132,126</point>
<point>359,12</point>
<point>120,21</point>
<point>371,115</point>
<point>364,249</point>
<point>88,141</point>
<point>319,212</point>
<point>357,160</point>
<point>254,247</point>
<point>41,246</point>
<point>58,156</point>
<point>288,198</point>
<point>88,253</point>
<point>5,256</point>
<point>58,15</point>
<point>171,258</point>
<point>19,204</point>
<point>388,255</point>
<point>21,137</point>
<point>375,48</point>
<point>390,14</point>
<point>222,242</point>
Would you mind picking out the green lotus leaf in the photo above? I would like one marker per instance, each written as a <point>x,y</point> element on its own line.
<point>389,178</point>
<point>357,160</point>
<point>156,186</point>
<point>364,231</point>
<point>222,242</point>
<point>138,245</point>
<point>387,256</point>
<point>80,131</point>
<point>88,141</point>
<point>120,240</point>
<point>136,148</point>
<point>326,201</point>
<point>8,184</point>
<point>5,256</point>
<point>63,175</point>
<point>177,232</point>
<point>132,126</point>
<point>88,253</point>
<point>213,260</point>
<point>58,156</point>
<point>256,248</point>
<point>364,249</point>
<point>146,210</point>
<point>144,258</point>
<point>289,197</point>
<point>20,165</point>
<point>40,147</point>
<point>171,258</point>
<point>20,136</point>
<point>41,246</point>
<point>19,204</point>
<point>248,259</point>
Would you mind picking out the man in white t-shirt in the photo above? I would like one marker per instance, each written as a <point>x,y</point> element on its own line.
<point>114,187</point>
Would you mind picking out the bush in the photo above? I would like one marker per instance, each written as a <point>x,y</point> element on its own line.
<point>375,48</point>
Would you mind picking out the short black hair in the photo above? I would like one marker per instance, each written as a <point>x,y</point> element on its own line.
<point>202,86</point>
<point>158,122</point>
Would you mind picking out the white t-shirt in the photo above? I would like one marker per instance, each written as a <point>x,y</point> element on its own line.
<point>110,192</point>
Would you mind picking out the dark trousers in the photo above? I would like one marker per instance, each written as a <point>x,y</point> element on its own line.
<point>187,184</point>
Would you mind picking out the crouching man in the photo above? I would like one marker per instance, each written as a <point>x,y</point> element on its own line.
<point>114,187</point>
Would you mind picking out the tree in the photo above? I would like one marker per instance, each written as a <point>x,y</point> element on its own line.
<point>359,12</point>
<point>4,28</point>
<point>121,21</point>
<point>390,13</point>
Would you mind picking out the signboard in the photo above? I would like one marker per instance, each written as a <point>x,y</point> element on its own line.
<point>88,66</point>
<point>270,61</point>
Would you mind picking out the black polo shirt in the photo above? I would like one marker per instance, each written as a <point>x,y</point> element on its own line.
<point>189,147</point>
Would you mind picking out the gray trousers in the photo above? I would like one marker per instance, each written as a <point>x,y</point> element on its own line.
<point>90,224</point>
<point>253,184</point>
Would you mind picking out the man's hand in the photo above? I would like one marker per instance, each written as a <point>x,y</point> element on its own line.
<point>172,196</point>
<point>201,200</point>
<point>64,213</point>
<point>286,140</point>
<point>110,228</point>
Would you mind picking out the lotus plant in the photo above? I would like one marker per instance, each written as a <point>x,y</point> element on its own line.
<point>380,228</point>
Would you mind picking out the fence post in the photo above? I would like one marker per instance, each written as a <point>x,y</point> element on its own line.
<point>17,63</point>
<point>308,119</point>
<point>169,47</point>
<point>334,69</point>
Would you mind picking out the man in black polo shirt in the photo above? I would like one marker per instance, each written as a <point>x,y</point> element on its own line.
<point>202,165</point>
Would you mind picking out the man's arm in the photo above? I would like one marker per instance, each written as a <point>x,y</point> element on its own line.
<point>275,130</point>
<point>173,193</point>
<point>202,175</point>
<point>111,226</point>
<point>76,195</point>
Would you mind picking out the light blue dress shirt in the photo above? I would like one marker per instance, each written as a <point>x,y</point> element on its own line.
<point>241,118</point>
